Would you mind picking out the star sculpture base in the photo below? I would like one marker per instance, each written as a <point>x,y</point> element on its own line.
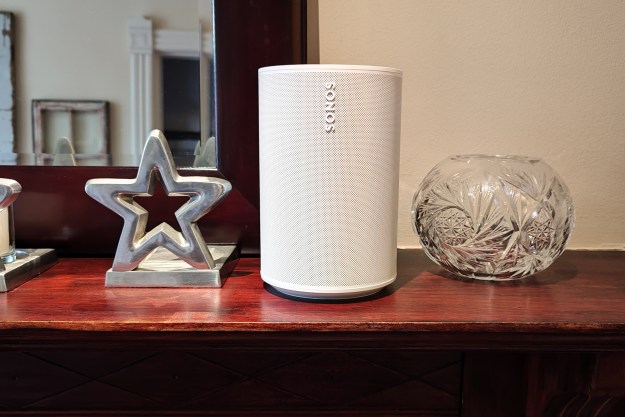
<point>164,256</point>
<point>163,269</point>
<point>28,264</point>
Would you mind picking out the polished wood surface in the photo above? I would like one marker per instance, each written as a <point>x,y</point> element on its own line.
<point>578,303</point>
<point>250,34</point>
<point>428,345</point>
<point>57,213</point>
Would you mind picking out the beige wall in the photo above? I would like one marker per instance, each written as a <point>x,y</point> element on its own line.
<point>79,50</point>
<point>543,78</point>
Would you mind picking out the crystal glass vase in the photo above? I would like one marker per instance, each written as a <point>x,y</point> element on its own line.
<point>493,217</point>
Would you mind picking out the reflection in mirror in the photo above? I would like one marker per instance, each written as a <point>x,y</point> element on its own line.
<point>86,122</point>
<point>7,101</point>
<point>151,61</point>
<point>64,153</point>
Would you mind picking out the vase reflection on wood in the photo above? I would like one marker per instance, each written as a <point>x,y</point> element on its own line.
<point>493,217</point>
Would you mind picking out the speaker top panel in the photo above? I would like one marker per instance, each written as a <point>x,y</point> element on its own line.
<point>329,68</point>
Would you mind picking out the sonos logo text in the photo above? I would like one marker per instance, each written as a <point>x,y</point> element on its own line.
<point>330,106</point>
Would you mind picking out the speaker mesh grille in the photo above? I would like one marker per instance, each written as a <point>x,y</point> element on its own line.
<point>329,200</point>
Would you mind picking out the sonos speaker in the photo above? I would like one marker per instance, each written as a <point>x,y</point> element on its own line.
<point>329,178</point>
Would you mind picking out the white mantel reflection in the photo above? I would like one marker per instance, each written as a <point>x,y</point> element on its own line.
<point>113,51</point>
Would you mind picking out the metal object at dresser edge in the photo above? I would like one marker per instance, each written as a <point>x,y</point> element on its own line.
<point>164,269</point>
<point>29,264</point>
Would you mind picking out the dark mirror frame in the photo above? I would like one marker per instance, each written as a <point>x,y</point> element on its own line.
<point>53,210</point>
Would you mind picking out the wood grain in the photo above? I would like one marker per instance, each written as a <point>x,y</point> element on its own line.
<point>228,382</point>
<point>250,34</point>
<point>551,345</point>
<point>543,384</point>
<point>64,217</point>
<point>575,304</point>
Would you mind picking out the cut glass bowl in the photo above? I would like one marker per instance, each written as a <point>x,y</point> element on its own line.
<point>493,217</point>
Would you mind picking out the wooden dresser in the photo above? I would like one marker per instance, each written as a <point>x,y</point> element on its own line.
<point>429,345</point>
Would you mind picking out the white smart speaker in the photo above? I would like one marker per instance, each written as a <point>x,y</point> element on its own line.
<point>329,178</point>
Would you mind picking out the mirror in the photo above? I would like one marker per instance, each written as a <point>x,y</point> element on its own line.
<point>148,63</point>
<point>55,212</point>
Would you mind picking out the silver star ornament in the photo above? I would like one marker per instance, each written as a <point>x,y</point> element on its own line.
<point>118,195</point>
